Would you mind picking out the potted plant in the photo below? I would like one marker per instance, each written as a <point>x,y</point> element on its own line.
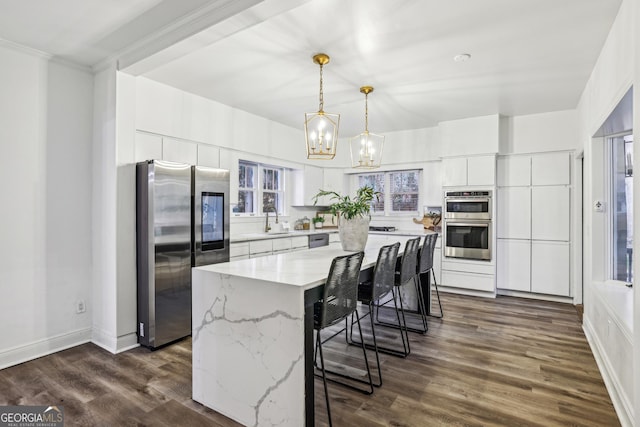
<point>317,221</point>
<point>353,225</point>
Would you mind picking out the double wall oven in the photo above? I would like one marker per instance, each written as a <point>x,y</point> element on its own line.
<point>467,225</point>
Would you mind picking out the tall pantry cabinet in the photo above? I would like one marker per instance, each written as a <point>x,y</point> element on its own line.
<point>533,223</point>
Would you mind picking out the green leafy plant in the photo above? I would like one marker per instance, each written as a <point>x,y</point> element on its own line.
<point>317,219</point>
<point>347,207</point>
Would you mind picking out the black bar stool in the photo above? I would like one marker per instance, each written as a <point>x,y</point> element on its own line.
<point>339,300</point>
<point>405,272</point>
<point>372,292</point>
<point>425,266</point>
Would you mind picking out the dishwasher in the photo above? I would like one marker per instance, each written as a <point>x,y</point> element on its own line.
<point>317,240</point>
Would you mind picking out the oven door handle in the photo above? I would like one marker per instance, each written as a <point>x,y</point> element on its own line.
<point>468,224</point>
<point>478,199</point>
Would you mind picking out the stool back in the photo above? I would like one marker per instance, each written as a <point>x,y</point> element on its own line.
<point>383,274</point>
<point>340,295</point>
<point>426,253</point>
<point>409,262</point>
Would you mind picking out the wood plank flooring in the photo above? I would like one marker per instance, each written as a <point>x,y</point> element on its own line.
<point>502,362</point>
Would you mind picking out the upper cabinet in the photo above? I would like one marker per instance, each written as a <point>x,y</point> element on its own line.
<point>309,181</point>
<point>514,171</point>
<point>464,171</point>
<point>551,169</point>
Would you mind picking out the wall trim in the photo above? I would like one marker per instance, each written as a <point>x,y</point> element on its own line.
<point>621,403</point>
<point>44,347</point>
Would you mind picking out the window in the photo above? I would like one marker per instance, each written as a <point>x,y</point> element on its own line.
<point>399,191</point>
<point>376,181</point>
<point>272,188</point>
<point>259,182</point>
<point>404,191</point>
<point>622,211</point>
<point>246,188</point>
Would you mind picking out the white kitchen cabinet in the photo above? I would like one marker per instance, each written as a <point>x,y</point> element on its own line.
<point>334,238</point>
<point>229,161</point>
<point>454,171</point>
<point>514,171</point>
<point>465,280</point>
<point>239,250</point>
<point>461,171</point>
<point>514,213</point>
<point>514,265</point>
<point>307,182</point>
<point>299,243</point>
<point>550,268</point>
<point>333,180</point>
<point>147,147</point>
<point>208,155</point>
<point>313,182</point>
<point>550,213</point>
<point>258,248</point>
<point>551,169</point>
<point>281,245</point>
<point>437,264</point>
<point>174,150</point>
<point>481,170</point>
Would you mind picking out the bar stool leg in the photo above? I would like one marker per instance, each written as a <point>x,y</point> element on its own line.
<point>324,377</point>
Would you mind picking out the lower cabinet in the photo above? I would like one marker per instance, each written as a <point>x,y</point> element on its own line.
<point>541,267</point>
<point>550,266</point>
<point>264,247</point>
<point>514,265</point>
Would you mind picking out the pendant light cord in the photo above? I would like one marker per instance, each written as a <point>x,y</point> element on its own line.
<point>321,106</point>
<point>366,112</point>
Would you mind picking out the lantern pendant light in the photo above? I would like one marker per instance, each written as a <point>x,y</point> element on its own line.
<point>321,128</point>
<point>366,148</point>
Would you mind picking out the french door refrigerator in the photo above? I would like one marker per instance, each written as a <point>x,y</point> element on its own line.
<point>182,215</point>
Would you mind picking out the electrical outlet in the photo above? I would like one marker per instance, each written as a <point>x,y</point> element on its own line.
<point>80,306</point>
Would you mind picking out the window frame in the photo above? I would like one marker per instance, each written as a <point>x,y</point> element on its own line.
<point>258,188</point>
<point>611,210</point>
<point>388,206</point>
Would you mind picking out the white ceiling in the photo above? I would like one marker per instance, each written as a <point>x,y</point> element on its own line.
<point>527,56</point>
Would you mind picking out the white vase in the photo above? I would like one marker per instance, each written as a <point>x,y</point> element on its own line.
<point>354,233</point>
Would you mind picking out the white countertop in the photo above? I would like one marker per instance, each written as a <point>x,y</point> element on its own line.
<point>247,237</point>
<point>304,269</point>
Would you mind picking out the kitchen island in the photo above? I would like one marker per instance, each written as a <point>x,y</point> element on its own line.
<point>253,333</point>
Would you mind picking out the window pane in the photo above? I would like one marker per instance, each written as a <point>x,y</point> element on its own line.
<point>376,181</point>
<point>250,172</point>
<point>242,176</point>
<point>403,182</point>
<point>245,202</point>
<point>622,191</point>
<point>270,200</point>
<point>404,202</point>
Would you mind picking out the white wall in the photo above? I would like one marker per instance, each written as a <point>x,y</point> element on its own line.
<point>554,131</point>
<point>45,222</point>
<point>468,137</point>
<point>611,340</point>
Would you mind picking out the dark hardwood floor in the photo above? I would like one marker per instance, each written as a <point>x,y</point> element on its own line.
<point>502,362</point>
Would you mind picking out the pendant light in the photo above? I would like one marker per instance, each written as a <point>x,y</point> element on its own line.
<point>366,148</point>
<point>321,129</point>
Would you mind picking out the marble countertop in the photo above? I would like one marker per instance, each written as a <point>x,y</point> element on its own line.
<point>304,269</point>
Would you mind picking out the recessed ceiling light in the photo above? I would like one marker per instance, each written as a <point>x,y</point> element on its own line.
<point>462,57</point>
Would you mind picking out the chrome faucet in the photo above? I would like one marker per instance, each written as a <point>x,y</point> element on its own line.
<point>267,227</point>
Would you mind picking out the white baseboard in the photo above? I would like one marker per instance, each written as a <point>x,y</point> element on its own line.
<point>113,344</point>
<point>44,347</point>
<point>623,407</point>
<point>530,295</point>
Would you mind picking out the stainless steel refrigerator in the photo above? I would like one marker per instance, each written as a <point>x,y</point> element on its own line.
<point>182,220</point>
